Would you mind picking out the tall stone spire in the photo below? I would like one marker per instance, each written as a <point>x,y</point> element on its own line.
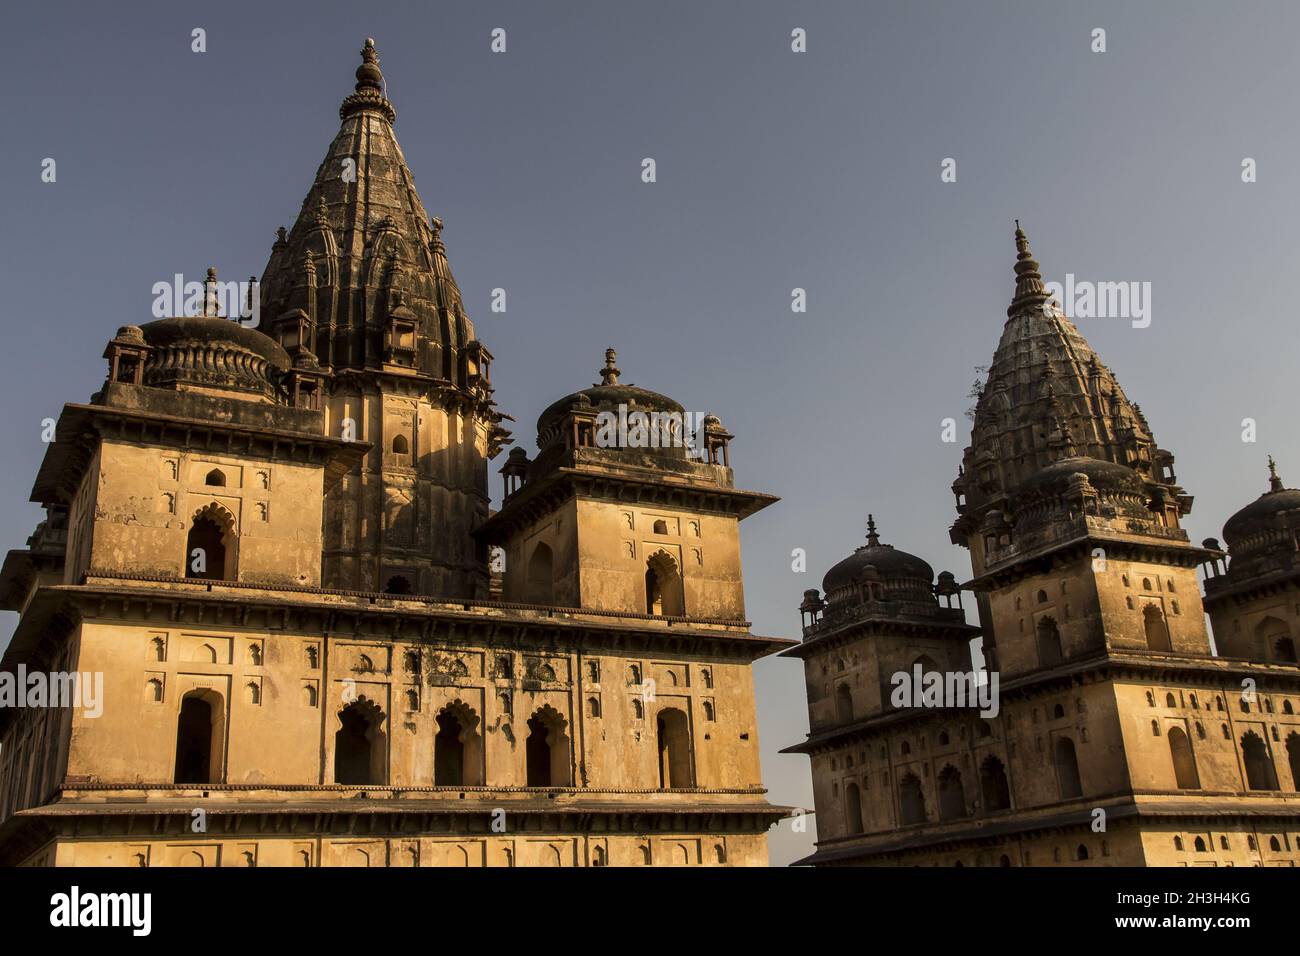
<point>1048,398</point>
<point>361,282</point>
<point>366,232</point>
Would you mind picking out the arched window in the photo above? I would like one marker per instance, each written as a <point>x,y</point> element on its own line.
<point>455,753</point>
<point>675,757</point>
<point>994,791</point>
<point>1081,852</point>
<point>254,693</point>
<point>546,750</point>
<point>1180,750</point>
<point>1274,844</point>
<point>1171,700</point>
<point>1259,765</point>
<point>1004,860</point>
<point>1042,596</point>
<point>709,713</point>
<point>1153,622</point>
<point>1058,712</point>
<point>1199,844</point>
<point>598,857</point>
<point>199,737</point>
<point>1284,650</point>
<point>398,584</point>
<point>216,478</point>
<point>661,527</point>
<point>911,800</point>
<point>852,809</point>
<point>708,680</point>
<point>359,758</point>
<point>309,695</point>
<point>1067,769</point>
<point>400,445</point>
<point>540,582</point>
<point>663,586</point>
<point>207,545</point>
<point>1178,843</point>
<point>843,703</point>
<point>952,797</point>
<point>593,707</point>
<point>1049,643</point>
<point>1293,758</point>
<point>638,709</point>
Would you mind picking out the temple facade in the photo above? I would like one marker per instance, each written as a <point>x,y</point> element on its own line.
<point>272,547</point>
<point>1103,727</point>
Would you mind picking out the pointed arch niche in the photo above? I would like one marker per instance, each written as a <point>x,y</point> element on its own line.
<point>211,544</point>
<point>663,586</point>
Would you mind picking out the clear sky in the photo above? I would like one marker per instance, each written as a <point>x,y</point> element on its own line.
<point>775,170</point>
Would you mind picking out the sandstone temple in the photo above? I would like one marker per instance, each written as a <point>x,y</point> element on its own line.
<point>319,647</point>
<point>1123,736</point>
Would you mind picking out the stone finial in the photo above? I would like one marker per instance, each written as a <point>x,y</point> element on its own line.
<point>610,373</point>
<point>1029,282</point>
<point>435,223</point>
<point>1274,482</point>
<point>873,539</point>
<point>368,73</point>
<point>369,93</point>
<point>210,292</point>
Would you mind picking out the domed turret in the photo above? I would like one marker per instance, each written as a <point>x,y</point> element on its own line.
<point>1264,532</point>
<point>878,571</point>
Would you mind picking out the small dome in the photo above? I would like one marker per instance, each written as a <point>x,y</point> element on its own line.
<point>1264,512</point>
<point>1100,474</point>
<point>211,352</point>
<point>605,397</point>
<point>876,561</point>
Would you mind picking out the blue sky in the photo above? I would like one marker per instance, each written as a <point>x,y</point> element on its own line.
<point>776,170</point>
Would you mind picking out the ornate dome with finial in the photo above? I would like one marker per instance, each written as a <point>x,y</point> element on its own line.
<point>1268,523</point>
<point>606,396</point>
<point>1049,408</point>
<point>902,576</point>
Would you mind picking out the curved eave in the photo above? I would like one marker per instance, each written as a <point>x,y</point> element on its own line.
<point>544,494</point>
<point>856,628</point>
<point>81,427</point>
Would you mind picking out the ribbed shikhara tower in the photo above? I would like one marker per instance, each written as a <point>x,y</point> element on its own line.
<point>270,545</point>
<point>1120,738</point>
<point>362,285</point>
